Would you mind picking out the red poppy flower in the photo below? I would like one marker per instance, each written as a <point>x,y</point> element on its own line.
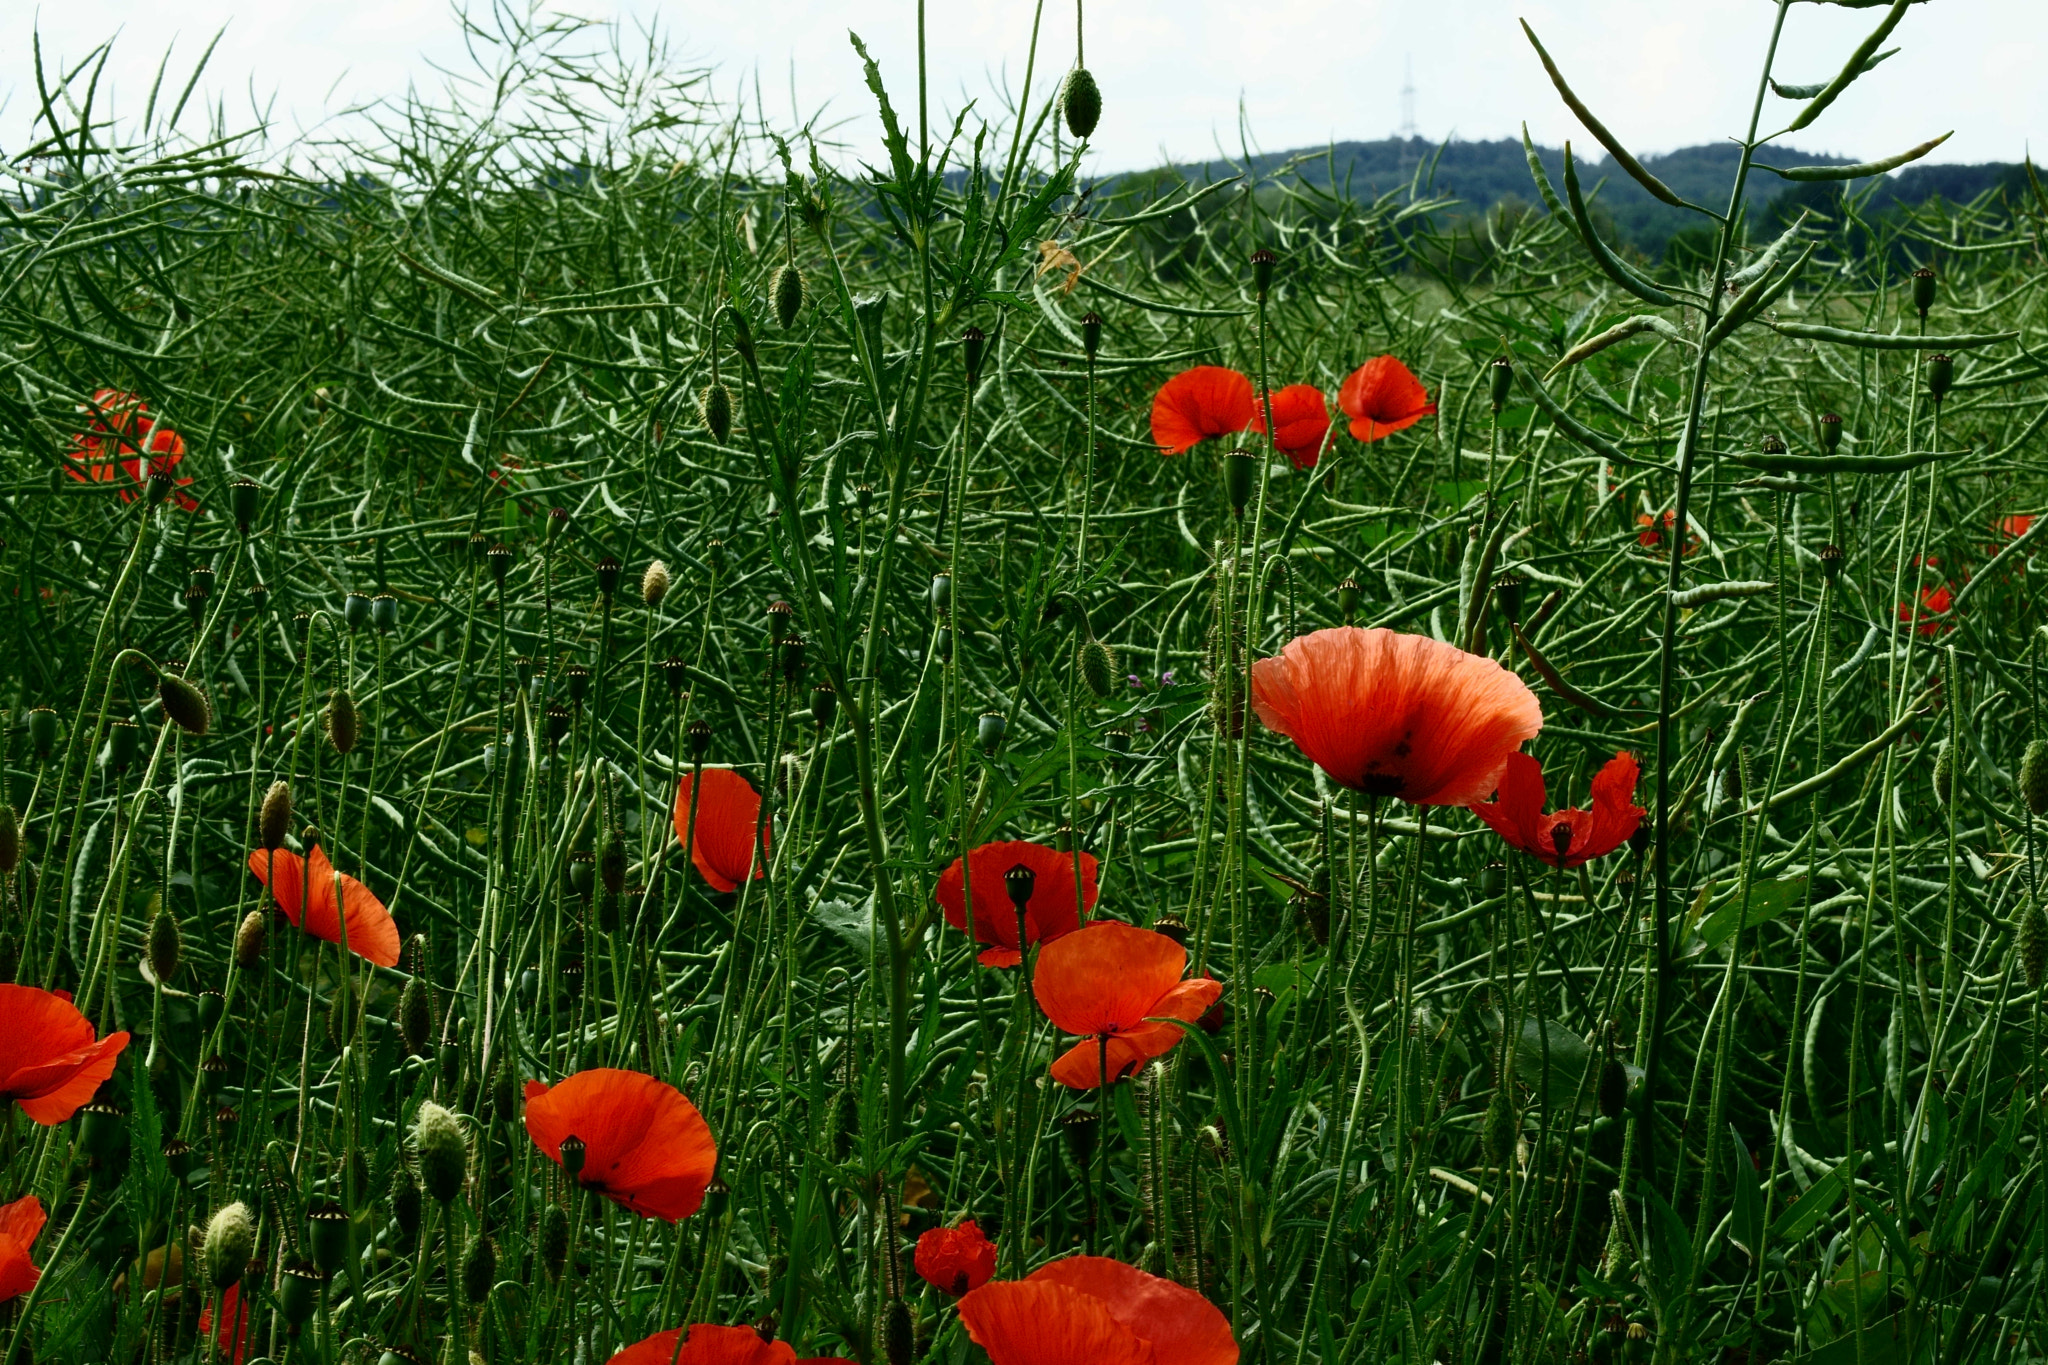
<point>1516,814</point>
<point>1105,982</point>
<point>1396,715</point>
<point>1934,602</point>
<point>1208,400</point>
<point>234,1323</point>
<point>1098,1310</point>
<point>728,812</point>
<point>19,1224</point>
<point>1048,915</point>
<point>2014,526</point>
<point>955,1260</point>
<point>371,932</point>
<point>49,1063</point>
<point>1301,421</point>
<point>645,1146</point>
<point>1381,397</point>
<point>706,1344</point>
<point>108,448</point>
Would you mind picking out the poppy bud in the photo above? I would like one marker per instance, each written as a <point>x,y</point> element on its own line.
<point>1923,290</point>
<point>416,1016</point>
<point>1499,1128</point>
<point>2034,777</point>
<point>989,729</point>
<point>609,571</point>
<point>898,1344</point>
<point>1944,772</point>
<point>1500,379</point>
<point>781,616</point>
<point>42,731</point>
<point>298,1294</point>
<point>195,604</point>
<point>244,497</point>
<point>384,613</point>
<point>355,611</point>
<point>1082,100</point>
<point>499,558</point>
<point>1173,927</point>
<point>577,676</point>
<point>1078,1128</point>
<point>611,863</point>
<point>2030,943</point>
<point>1091,333</point>
<point>1772,444</point>
<point>230,1242</point>
<point>793,660</point>
<point>558,719</point>
<point>572,1152</point>
<point>676,672</point>
<point>327,1236</point>
<point>341,720</point>
<point>940,594</point>
<point>1830,431</point>
<point>1018,882</point>
<point>1831,562</point>
<point>405,1202</point>
<point>166,945</point>
<point>654,583</point>
<point>1263,261</point>
<point>824,704</point>
<point>209,1006</point>
<point>714,409</point>
<point>1347,599</point>
<point>1238,468</point>
<point>184,703</point>
<point>1561,840</point>
<point>249,941</point>
<point>788,289</point>
<point>700,739</point>
<point>553,1240</point>
<point>1941,372</point>
<point>442,1150</point>
<point>479,1270</point>
<point>1613,1088</point>
<point>973,346</point>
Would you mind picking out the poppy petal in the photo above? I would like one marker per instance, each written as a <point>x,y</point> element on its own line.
<point>1107,977</point>
<point>1208,400</point>
<point>1615,812</point>
<point>1301,423</point>
<point>703,1343</point>
<point>1022,1322</point>
<point>646,1147</point>
<point>1381,397</point>
<point>1050,912</point>
<point>957,1259</point>
<point>20,1222</point>
<point>50,1063</point>
<point>728,813</point>
<point>1514,811</point>
<point>1182,1326</point>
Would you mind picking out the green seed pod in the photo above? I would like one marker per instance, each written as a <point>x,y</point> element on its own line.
<point>405,1203</point>
<point>298,1294</point>
<point>416,1016</point>
<point>2034,777</point>
<point>10,839</point>
<point>788,288</point>
<point>1239,469</point>
<point>973,346</point>
<point>1082,100</point>
<point>1500,380</point>
<point>714,407</point>
<point>1944,772</point>
<point>1830,431</point>
<point>1348,593</point>
<point>230,1242</point>
<point>341,720</point>
<point>1091,333</point>
<point>166,945</point>
<point>42,731</point>
<point>244,497</point>
<point>442,1150</point>
<point>355,611</point>
<point>1098,667</point>
<point>1263,261</point>
<point>553,1240</point>
<point>611,862</point>
<point>327,1236</point>
<point>479,1270</point>
<point>824,704</point>
<point>2030,943</point>
<point>1613,1088</point>
<point>249,941</point>
<point>1941,372</point>
<point>384,613</point>
<point>184,703</point>
<point>1923,290</point>
<point>989,729</point>
<point>274,820</point>
<point>1499,1128</point>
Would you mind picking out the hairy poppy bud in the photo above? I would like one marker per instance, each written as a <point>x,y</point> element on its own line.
<point>1091,334</point>
<point>341,720</point>
<point>553,1240</point>
<point>1500,379</point>
<point>249,941</point>
<point>166,945</point>
<point>274,817</point>
<point>940,594</point>
<point>298,1294</point>
<point>479,1270</point>
<point>973,346</point>
<point>676,673</point>
<point>1831,562</point>
<point>1098,667</point>
<point>654,583</point>
<point>499,559</point>
<point>10,839</point>
<point>405,1202</point>
<point>184,703</point>
<point>42,731</point>
<point>230,1242</point>
<point>609,571</point>
<point>2034,777</point>
<point>1941,372</point>
<point>572,1151</point>
<point>442,1150</point>
<point>989,730</point>
<point>1082,100</point>
<point>1238,468</point>
<point>1944,772</point>
<point>611,863</point>
<point>699,736</point>
<point>788,288</point>
<point>1019,882</point>
<point>824,704</point>
<point>714,409</point>
<point>327,1236</point>
<point>1499,1128</point>
<point>355,611</point>
<point>384,613</point>
<point>416,1016</point>
<point>1613,1088</point>
<point>244,497</point>
<point>1923,290</point>
<point>898,1343</point>
<point>1347,599</point>
<point>1830,431</point>
<point>2030,943</point>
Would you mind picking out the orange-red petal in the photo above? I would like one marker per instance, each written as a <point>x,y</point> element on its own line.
<point>20,1222</point>
<point>1107,977</point>
<point>1301,423</point>
<point>1381,397</point>
<point>1079,1067</point>
<point>704,1343</point>
<point>957,1259</point>
<point>1028,1322</point>
<point>1049,914</point>
<point>372,933</point>
<point>645,1145</point>
<point>50,1063</point>
<point>1208,400</point>
<point>1183,1327</point>
<point>728,813</point>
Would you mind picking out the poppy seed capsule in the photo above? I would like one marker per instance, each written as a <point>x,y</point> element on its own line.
<point>611,863</point>
<point>1772,445</point>
<point>1091,334</point>
<point>327,1236</point>
<point>1263,261</point>
<point>824,705</point>
<point>184,703</point>
<point>1500,379</point>
<point>1082,100</point>
<point>1238,468</point>
<point>10,839</point>
<point>499,557</point>
<point>230,1242</point>
<point>341,721</point>
<point>781,616</point>
<point>1098,667</point>
<point>195,604</point>
<point>793,660</point>
<point>166,945</point>
<point>989,729</point>
<point>249,941</point>
<point>2034,777</point>
<point>654,583</point>
<point>973,346</point>
<point>384,613</point>
<point>1019,882</point>
<point>1830,431</point>
<point>355,611</point>
<point>558,719</point>
<point>572,1152</point>
<point>609,572</point>
<point>940,594</point>
<point>1941,372</point>
<point>442,1150</point>
<point>1347,599</point>
<point>1078,1128</point>
<point>298,1294</point>
<point>1507,590</point>
<point>714,409</point>
<point>863,498</point>
<point>675,672</point>
<point>209,1006</point>
<point>1923,289</point>
<point>788,289</point>
<point>2030,944</point>
<point>699,736</point>
<point>553,1240</point>
<point>1831,562</point>
<point>577,676</point>
<point>42,731</point>
<point>244,497</point>
<point>1173,926</point>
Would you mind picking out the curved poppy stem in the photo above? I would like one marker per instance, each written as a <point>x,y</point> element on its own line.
<point>1106,1237</point>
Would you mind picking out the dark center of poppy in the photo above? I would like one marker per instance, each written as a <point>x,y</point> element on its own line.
<point>1381,784</point>
<point>1561,839</point>
<point>959,1284</point>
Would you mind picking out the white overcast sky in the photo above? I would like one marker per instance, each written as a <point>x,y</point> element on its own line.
<point>1174,73</point>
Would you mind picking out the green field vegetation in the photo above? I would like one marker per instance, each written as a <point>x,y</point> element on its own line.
<point>560,443</point>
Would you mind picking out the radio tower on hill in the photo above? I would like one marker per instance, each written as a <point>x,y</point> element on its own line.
<point>1408,101</point>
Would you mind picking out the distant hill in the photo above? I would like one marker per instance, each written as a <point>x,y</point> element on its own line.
<point>1482,174</point>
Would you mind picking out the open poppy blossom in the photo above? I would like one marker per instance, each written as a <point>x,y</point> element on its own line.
<point>49,1061</point>
<point>1048,914</point>
<point>1301,423</point>
<point>1564,838</point>
<point>955,1260</point>
<point>1105,983</point>
<point>728,812</point>
<point>1390,714</point>
<point>703,1343</point>
<point>645,1146</point>
<point>112,446</point>
<point>234,1324</point>
<point>371,932</point>
<point>1381,397</point>
<point>1090,1308</point>
<point>1208,400</point>
<point>20,1222</point>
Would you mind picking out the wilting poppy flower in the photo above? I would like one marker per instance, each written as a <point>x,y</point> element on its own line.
<point>1381,397</point>
<point>49,1062</point>
<point>234,1323</point>
<point>1934,602</point>
<point>371,932</point>
<point>728,812</point>
<point>1049,913</point>
<point>645,1146</point>
<point>108,448</point>
<point>19,1224</point>
<point>955,1260</point>
<point>1208,400</point>
<point>1301,421</point>
<point>1105,982</point>
<point>1579,836</point>
<point>1390,714</point>
<point>1098,1310</point>
<point>710,1345</point>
